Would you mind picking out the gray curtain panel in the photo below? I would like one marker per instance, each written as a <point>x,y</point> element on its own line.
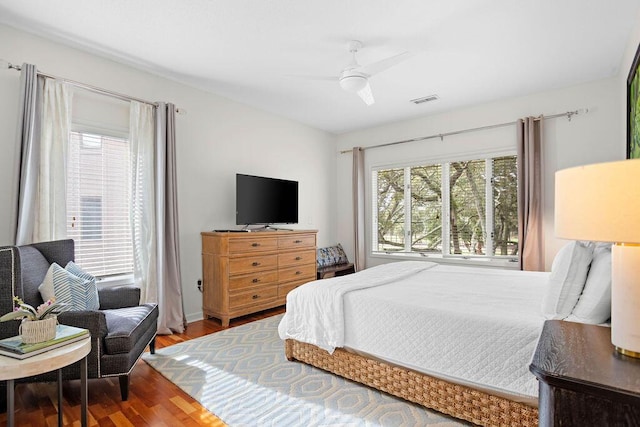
<point>28,154</point>
<point>172,318</point>
<point>358,208</point>
<point>530,233</point>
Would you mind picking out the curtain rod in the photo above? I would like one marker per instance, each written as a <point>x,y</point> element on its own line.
<point>567,114</point>
<point>91,88</point>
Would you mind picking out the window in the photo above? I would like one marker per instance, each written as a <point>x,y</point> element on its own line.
<point>91,217</point>
<point>98,203</point>
<point>462,209</point>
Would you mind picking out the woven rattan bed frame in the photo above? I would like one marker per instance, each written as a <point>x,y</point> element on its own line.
<point>453,399</point>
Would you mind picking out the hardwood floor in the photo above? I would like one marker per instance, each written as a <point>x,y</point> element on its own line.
<point>153,400</point>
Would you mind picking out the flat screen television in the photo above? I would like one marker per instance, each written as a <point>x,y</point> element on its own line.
<point>262,200</point>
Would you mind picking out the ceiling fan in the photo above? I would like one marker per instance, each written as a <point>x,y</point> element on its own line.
<point>355,78</point>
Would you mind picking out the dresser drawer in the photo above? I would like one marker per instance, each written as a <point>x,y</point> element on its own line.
<point>301,272</point>
<point>306,256</point>
<point>259,244</point>
<point>256,296</point>
<point>243,265</point>
<point>254,279</point>
<point>297,241</point>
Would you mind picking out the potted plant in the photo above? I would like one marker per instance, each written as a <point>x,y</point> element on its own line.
<point>38,324</point>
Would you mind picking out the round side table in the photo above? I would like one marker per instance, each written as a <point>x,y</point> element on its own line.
<point>57,358</point>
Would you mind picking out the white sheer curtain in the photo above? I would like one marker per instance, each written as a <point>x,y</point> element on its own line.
<point>51,204</point>
<point>143,214</point>
<point>154,212</point>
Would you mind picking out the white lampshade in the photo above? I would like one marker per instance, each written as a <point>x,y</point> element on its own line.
<point>601,202</point>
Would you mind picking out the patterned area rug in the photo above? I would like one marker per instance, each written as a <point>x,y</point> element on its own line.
<point>242,376</point>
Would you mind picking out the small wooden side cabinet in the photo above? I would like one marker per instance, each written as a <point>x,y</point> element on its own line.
<point>583,380</point>
<point>244,273</point>
<point>336,270</point>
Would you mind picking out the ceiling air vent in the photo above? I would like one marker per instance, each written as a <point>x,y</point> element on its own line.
<point>424,99</point>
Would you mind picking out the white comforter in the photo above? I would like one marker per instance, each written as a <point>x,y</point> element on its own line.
<point>315,312</point>
<point>475,326</point>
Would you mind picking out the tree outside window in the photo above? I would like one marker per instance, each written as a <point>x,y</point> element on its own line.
<point>391,227</point>
<point>457,209</point>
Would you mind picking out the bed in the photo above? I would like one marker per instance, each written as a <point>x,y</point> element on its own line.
<point>455,339</point>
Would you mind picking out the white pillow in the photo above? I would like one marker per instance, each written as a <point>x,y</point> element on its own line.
<point>567,279</point>
<point>67,288</point>
<point>46,287</point>
<point>594,305</point>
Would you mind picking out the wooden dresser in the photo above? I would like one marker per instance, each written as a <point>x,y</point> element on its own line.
<point>248,272</point>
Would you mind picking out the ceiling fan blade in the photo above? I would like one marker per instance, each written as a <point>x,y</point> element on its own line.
<point>366,95</point>
<point>383,64</point>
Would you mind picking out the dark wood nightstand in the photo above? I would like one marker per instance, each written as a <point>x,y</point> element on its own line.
<point>583,381</point>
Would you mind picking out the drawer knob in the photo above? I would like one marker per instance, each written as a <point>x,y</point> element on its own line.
<point>255,245</point>
<point>255,280</point>
<point>255,263</point>
<point>298,272</point>
<point>255,296</point>
<point>297,241</point>
<point>298,258</point>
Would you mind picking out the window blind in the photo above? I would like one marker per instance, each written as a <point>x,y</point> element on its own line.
<point>98,203</point>
<point>505,200</point>
<point>390,210</point>
<point>467,228</point>
<point>426,209</point>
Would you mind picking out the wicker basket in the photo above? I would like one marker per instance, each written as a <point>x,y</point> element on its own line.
<point>454,399</point>
<point>35,331</point>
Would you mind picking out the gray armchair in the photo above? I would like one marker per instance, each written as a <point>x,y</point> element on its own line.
<point>120,330</point>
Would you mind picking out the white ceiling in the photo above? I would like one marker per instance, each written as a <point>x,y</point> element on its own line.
<point>255,51</point>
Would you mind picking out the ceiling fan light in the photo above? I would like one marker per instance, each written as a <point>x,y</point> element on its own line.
<point>353,83</point>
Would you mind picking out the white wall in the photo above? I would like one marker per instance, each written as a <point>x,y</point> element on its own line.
<point>589,138</point>
<point>217,138</point>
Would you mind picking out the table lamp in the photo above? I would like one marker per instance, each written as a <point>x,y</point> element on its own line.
<point>601,202</point>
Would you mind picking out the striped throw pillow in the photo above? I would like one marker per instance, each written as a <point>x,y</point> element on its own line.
<point>93,303</point>
<point>76,293</point>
